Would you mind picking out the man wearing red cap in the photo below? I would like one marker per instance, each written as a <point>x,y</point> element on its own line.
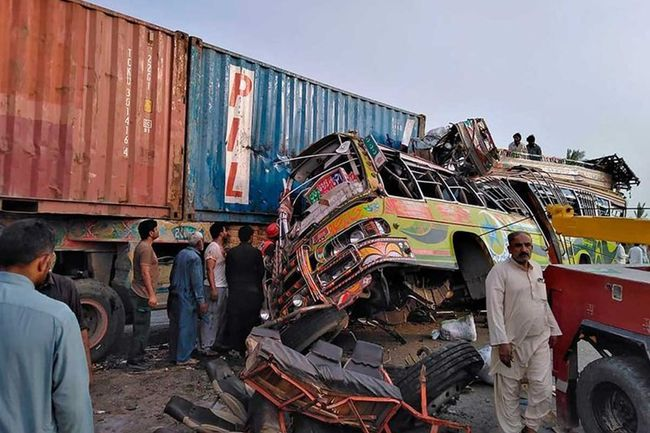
<point>268,246</point>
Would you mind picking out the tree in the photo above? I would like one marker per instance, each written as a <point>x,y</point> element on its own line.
<point>575,154</point>
<point>640,210</point>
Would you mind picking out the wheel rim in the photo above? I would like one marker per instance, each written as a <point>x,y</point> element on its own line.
<point>613,409</point>
<point>443,399</point>
<point>96,318</point>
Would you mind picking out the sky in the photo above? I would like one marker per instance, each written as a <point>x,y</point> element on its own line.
<point>574,73</point>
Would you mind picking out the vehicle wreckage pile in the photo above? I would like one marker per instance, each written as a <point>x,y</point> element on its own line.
<point>373,234</point>
<point>281,390</point>
<point>370,232</point>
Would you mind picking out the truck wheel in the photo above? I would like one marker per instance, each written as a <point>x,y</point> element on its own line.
<point>613,395</point>
<point>321,324</point>
<point>104,314</point>
<point>125,296</point>
<point>449,369</point>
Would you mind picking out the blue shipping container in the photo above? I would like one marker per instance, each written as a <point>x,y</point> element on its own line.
<point>244,115</point>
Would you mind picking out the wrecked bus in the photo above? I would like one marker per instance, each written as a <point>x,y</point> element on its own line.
<point>367,231</point>
<point>592,187</point>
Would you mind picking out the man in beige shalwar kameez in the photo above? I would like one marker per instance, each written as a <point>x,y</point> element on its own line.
<point>522,332</point>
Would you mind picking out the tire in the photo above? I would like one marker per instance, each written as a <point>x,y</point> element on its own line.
<point>613,395</point>
<point>125,296</point>
<point>104,314</point>
<point>321,324</point>
<point>449,369</point>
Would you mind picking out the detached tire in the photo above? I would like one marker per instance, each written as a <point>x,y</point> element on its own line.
<point>321,324</point>
<point>613,395</point>
<point>450,368</point>
<point>104,314</point>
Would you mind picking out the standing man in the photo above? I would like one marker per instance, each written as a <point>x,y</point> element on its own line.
<point>620,257</point>
<point>244,273</point>
<point>267,248</point>
<point>216,289</point>
<point>522,332</point>
<point>185,298</point>
<point>63,289</point>
<point>516,146</point>
<point>638,255</point>
<point>533,149</point>
<point>43,386</point>
<point>143,295</point>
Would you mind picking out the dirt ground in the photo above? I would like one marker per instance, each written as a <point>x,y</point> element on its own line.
<point>128,401</point>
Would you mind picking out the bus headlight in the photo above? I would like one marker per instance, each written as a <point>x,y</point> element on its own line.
<point>356,236</point>
<point>297,301</point>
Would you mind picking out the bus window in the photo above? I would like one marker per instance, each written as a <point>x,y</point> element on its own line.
<point>397,179</point>
<point>499,196</point>
<point>572,199</point>
<point>617,211</point>
<point>462,191</point>
<point>587,202</point>
<point>430,182</point>
<point>602,206</point>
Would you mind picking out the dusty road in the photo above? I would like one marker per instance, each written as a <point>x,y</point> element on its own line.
<point>127,401</point>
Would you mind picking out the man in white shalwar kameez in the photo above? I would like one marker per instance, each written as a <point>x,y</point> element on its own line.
<point>522,332</point>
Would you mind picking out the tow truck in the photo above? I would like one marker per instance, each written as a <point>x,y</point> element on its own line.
<point>607,306</point>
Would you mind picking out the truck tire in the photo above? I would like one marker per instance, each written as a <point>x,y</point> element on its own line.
<point>321,324</point>
<point>125,296</point>
<point>104,314</point>
<point>449,369</point>
<point>613,395</point>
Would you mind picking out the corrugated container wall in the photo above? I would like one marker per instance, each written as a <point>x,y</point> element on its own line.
<point>92,111</point>
<point>244,115</point>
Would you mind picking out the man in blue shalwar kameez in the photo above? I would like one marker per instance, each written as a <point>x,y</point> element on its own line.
<point>186,301</point>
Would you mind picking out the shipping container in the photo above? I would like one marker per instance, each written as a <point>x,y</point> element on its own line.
<point>245,115</point>
<point>92,111</point>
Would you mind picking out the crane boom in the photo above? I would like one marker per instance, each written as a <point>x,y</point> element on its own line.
<point>615,229</point>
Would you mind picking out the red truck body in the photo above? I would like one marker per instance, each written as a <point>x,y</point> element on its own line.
<point>607,305</point>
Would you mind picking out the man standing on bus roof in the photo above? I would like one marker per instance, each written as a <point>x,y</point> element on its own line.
<point>533,149</point>
<point>522,332</point>
<point>516,146</point>
<point>143,290</point>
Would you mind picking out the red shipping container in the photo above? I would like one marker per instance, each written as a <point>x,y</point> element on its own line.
<point>92,111</point>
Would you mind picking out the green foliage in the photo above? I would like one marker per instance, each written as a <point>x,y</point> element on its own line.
<point>575,154</point>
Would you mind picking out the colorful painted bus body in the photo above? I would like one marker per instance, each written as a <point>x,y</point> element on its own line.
<point>590,191</point>
<point>370,225</point>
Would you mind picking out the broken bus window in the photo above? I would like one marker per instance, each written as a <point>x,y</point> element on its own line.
<point>397,179</point>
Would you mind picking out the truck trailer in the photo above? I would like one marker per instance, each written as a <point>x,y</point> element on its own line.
<point>106,120</point>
